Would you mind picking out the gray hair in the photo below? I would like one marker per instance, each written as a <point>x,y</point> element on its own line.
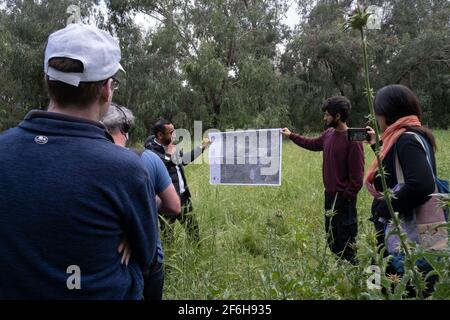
<point>116,116</point>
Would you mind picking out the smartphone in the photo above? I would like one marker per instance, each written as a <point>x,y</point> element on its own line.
<point>358,134</point>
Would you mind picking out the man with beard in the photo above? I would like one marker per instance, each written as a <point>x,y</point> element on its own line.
<point>162,144</point>
<point>343,172</point>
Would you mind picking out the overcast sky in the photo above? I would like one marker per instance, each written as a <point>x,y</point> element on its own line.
<point>146,22</point>
<point>291,19</point>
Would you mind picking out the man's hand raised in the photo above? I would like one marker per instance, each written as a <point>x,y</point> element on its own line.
<point>206,143</point>
<point>171,149</point>
<point>286,132</point>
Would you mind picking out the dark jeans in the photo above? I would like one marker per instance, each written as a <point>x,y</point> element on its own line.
<point>154,282</point>
<point>342,228</point>
<point>186,218</point>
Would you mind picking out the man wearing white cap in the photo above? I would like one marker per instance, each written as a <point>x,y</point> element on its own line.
<point>68,194</point>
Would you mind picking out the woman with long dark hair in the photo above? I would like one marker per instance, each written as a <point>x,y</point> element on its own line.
<point>407,155</point>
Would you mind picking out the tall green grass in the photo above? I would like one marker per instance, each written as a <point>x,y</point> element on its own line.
<point>269,242</point>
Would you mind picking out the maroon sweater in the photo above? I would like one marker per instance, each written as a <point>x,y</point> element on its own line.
<point>343,161</point>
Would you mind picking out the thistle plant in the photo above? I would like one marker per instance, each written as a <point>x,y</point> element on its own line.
<point>358,21</point>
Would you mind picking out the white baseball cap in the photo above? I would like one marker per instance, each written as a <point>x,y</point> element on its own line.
<point>96,49</point>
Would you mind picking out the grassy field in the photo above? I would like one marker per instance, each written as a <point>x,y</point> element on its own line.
<point>269,242</point>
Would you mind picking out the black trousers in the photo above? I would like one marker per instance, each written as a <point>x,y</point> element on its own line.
<point>186,218</point>
<point>154,282</point>
<point>342,226</point>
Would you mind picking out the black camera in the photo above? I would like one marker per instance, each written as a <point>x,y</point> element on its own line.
<point>358,134</point>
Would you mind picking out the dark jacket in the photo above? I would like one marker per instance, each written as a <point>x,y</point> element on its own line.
<point>181,160</point>
<point>419,181</point>
<point>68,197</point>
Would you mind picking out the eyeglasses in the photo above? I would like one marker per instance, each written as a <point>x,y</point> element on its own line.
<point>115,83</point>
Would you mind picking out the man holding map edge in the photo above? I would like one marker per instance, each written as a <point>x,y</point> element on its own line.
<point>162,144</point>
<point>343,172</point>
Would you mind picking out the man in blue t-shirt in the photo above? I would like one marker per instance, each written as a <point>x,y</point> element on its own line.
<point>69,196</point>
<point>168,200</point>
<point>118,121</point>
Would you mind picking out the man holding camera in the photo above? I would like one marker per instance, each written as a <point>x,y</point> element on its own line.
<point>162,144</point>
<point>343,172</point>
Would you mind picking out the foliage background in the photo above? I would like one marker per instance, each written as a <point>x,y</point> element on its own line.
<point>233,63</point>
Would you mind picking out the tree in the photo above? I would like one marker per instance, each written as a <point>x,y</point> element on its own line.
<point>411,48</point>
<point>232,63</point>
<point>25,27</point>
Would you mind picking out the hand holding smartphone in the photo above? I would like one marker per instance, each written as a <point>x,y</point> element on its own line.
<point>358,134</point>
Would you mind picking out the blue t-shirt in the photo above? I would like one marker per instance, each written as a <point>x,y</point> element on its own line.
<point>68,198</point>
<point>161,181</point>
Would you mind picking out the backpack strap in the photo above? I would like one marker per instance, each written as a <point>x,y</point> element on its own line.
<point>425,147</point>
<point>398,169</point>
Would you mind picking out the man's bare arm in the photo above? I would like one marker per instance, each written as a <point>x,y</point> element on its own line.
<point>169,201</point>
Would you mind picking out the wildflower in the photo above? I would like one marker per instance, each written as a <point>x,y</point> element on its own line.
<point>394,278</point>
<point>358,19</point>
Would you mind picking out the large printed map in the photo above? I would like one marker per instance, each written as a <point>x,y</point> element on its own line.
<point>251,157</point>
